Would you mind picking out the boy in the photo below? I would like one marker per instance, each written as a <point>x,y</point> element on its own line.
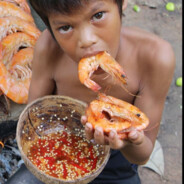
<point>77,29</point>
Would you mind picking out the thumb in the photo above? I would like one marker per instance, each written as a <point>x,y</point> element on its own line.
<point>136,137</point>
<point>83,120</point>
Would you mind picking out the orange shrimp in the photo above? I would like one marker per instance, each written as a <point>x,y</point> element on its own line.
<point>10,9</point>
<point>21,3</point>
<point>20,61</point>
<point>12,24</point>
<point>14,88</point>
<point>13,42</point>
<point>87,66</point>
<point>23,57</point>
<point>111,113</point>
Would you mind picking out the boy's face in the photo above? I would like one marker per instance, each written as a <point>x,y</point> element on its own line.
<point>94,27</point>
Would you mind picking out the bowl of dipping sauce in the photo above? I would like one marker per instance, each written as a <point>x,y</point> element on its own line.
<point>52,142</point>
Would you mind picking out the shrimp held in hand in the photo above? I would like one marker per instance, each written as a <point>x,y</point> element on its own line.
<point>111,113</point>
<point>87,66</point>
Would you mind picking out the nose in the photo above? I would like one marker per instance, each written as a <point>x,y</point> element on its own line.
<point>87,37</point>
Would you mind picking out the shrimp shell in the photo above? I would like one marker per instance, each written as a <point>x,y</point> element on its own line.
<point>9,25</point>
<point>13,88</point>
<point>21,3</point>
<point>111,113</point>
<point>10,9</point>
<point>88,65</point>
<point>21,63</point>
<point>12,43</point>
<point>23,57</point>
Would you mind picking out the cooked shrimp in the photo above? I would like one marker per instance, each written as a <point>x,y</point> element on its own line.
<point>87,66</point>
<point>14,88</point>
<point>10,9</point>
<point>111,113</point>
<point>12,24</point>
<point>23,57</point>
<point>21,61</point>
<point>21,3</point>
<point>13,42</point>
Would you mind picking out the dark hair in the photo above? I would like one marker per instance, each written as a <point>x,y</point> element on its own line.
<point>44,7</point>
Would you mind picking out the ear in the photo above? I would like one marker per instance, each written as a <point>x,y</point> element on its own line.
<point>125,2</point>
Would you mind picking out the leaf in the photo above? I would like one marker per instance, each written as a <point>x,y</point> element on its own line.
<point>156,161</point>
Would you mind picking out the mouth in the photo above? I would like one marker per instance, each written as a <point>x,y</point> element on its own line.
<point>91,54</point>
<point>99,71</point>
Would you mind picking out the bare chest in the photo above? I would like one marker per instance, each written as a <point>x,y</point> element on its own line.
<point>67,83</point>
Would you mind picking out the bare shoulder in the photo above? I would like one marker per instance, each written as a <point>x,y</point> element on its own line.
<point>46,55</point>
<point>155,60</point>
<point>46,52</point>
<point>156,52</point>
<point>46,45</point>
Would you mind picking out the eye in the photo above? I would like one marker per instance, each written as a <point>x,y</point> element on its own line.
<point>65,29</point>
<point>99,15</point>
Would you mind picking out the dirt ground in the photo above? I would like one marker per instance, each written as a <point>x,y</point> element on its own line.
<point>168,25</point>
<point>155,18</point>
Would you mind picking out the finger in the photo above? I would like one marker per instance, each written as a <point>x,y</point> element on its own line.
<point>89,131</point>
<point>136,137</point>
<point>99,135</point>
<point>83,120</point>
<point>114,141</point>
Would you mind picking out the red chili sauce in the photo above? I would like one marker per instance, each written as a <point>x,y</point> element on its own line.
<point>64,155</point>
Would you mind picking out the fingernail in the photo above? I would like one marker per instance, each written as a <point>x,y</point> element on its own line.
<point>83,118</point>
<point>98,130</point>
<point>134,135</point>
<point>88,126</point>
<point>112,134</point>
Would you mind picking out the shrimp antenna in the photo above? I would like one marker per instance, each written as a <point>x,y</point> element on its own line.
<point>106,77</point>
<point>130,92</point>
<point>151,128</point>
<point>107,89</point>
<point>122,85</point>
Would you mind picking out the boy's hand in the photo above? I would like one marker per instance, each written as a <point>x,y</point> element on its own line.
<point>134,137</point>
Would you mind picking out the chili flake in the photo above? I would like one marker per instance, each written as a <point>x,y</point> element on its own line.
<point>64,155</point>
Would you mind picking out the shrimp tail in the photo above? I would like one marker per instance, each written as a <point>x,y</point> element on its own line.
<point>92,85</point>
<point>86,68</point>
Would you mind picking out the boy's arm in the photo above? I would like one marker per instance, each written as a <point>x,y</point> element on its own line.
<point>155,82</point>
<point>42,82</point>
<point>157,79</point>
